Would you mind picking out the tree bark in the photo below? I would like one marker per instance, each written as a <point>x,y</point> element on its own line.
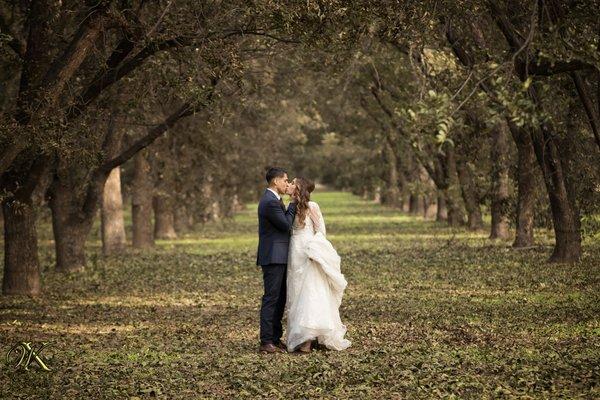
<point>183,220</point>
<point>525,187</point>
<point>413,204</point>
<point>430,208</point>
<point>565,216</point>
<point>236,204</point>
<point>37,57</point>
<point>588,105</point>
<point>439,175</point>
<point>164,222</point>
<point>421,205</point>
<point>469,195</point>
<point>500,206</point>
<point>69,226</point>
<point>404,195</point>
<point>392,192</point>
<point>452,186</point>
<point>65,66</point>
<point>570,250</point>
<point>112,223</point>
<point>141,200</point>
<point>441,213</point>
<point>21,264</point>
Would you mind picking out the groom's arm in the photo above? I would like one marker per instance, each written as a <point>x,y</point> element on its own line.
<point>280,219</point>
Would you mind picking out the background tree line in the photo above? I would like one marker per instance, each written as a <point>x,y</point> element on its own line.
<point>451,110</point>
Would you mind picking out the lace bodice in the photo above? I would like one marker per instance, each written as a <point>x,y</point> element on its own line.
<point>313,222</point>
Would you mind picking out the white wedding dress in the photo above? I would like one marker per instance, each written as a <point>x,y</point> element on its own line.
<point>315,286</point>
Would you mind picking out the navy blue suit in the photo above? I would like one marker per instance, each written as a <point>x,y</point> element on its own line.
<point>274,228</point>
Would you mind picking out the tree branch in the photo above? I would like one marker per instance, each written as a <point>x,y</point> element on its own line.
<point>118,67</point>
<point>183,111</point>
<point>537,66</point>
<point>10,153</point>
<point>588,105</point>
<point>117,70</point>
<point>546,68</point>
<point>16,44</point>
<point>509,32</point>
<point>65,66</point>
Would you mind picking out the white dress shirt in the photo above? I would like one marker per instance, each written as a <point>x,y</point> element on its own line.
<point>276,194</point>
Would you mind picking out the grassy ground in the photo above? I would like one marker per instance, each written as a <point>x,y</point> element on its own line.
<point>431,312</point>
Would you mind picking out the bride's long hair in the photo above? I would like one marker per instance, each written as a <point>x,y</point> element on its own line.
<point>304,188</point>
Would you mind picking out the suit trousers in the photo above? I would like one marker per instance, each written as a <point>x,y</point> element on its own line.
<point>273,302</point>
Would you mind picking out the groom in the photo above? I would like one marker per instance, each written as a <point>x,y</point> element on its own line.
<point>274,227</point>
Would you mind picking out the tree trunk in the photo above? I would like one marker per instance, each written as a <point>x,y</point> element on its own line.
<point>500,206</point>
<point>236,204</point>
<point>442,171</point>
<point>452,186</point>
<point>216,214</point>
<point>212,209</point>
<point>69,227</point>
<point>470,197</point>
<point>413,204</point>
<point>183,221</point>
<point>164,223</point>
<point>113,224</point>
<point>571,250</point>
<point>430,208</point>
<point>421,205</point>
<point>424,182</point>
<point>69,237</point>
<point>141,200</point>
<point>392,192</point>
<point>441,211</point>
<point>525,186</point>
<point>403,191</point>
<point>377,195</point>
<point>588,105</point>
<point>565,216</point>
<point>455,216</point>
<point>21,264</point>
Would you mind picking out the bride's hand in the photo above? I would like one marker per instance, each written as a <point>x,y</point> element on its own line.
<point>290,192</point>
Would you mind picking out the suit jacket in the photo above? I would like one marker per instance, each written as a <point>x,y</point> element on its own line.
<point>274,228</point>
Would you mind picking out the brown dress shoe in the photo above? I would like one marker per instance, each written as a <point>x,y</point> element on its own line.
<point>269,348</point>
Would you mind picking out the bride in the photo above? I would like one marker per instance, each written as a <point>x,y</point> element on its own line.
<point>315,285</point>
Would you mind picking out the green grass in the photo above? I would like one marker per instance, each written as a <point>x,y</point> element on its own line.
<point>431,312</point>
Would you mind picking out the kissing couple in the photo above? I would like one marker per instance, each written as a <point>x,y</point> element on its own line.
<point>301,270</point>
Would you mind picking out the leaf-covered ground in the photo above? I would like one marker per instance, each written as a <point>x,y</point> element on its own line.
<point>431,312</point>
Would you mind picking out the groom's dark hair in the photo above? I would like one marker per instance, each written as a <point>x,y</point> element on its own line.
<point>274,172</point>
